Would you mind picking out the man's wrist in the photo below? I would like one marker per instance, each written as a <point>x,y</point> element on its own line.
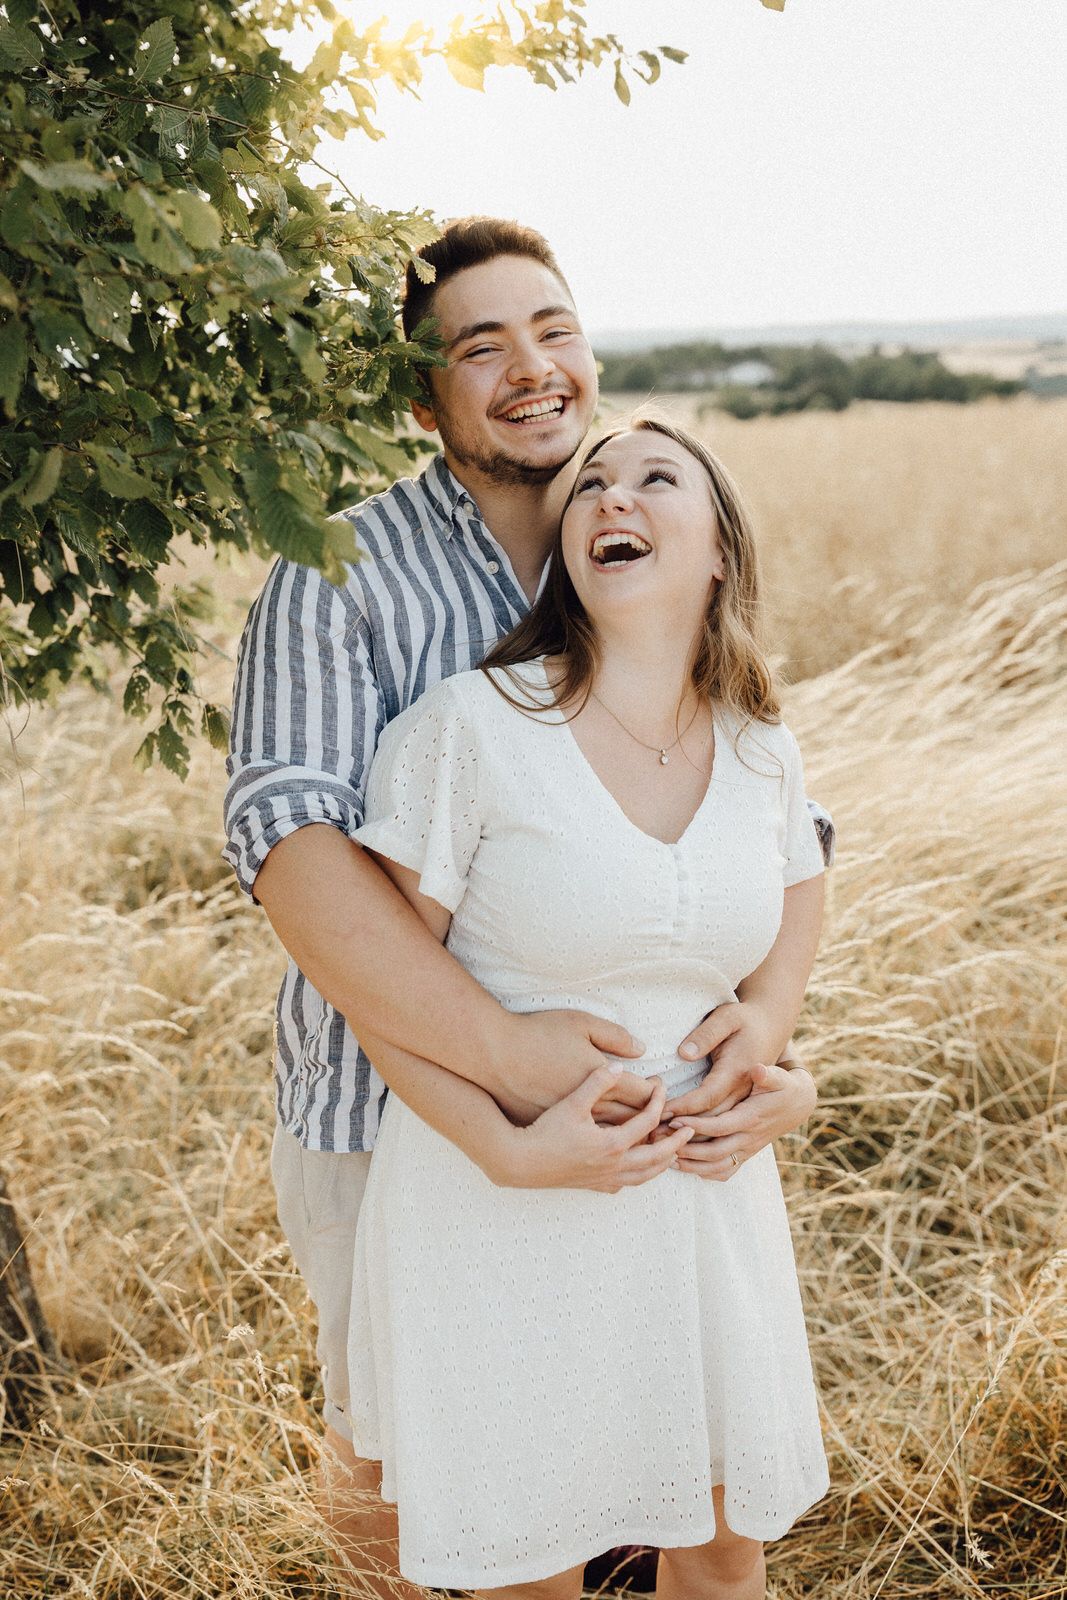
<point>488,1048</point>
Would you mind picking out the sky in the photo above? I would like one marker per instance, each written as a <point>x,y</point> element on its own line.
<point>843,160</point>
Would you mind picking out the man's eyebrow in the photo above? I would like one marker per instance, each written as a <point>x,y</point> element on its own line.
<point>472,329</point>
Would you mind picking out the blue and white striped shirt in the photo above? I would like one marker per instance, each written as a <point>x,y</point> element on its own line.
<point>320,672</point>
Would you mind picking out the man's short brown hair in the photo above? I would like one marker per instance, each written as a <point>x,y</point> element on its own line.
<point>468,242</point>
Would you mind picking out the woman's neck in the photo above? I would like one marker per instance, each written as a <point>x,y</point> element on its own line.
<point>647,677</point>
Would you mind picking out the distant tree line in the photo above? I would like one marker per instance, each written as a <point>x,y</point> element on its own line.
<point>753,380</point>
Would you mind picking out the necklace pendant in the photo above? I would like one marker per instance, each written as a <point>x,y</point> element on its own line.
<point>664,759</point>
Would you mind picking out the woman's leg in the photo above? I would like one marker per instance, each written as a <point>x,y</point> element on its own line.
<point>729,1567</point>
<point>565,1586</point>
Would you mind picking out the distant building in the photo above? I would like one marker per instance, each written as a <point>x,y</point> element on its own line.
<point>749,374</point>
<point>746,374</point>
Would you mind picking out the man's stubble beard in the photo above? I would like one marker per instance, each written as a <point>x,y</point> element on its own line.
<point>497,465</point>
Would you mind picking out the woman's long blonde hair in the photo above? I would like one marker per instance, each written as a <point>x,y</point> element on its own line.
<point>729,667</point>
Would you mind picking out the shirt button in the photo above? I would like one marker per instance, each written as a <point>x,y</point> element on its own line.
<point>493,567</point>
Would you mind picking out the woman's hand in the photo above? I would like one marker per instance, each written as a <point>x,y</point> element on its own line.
<point>567,1149</point>
<point>780,1102</point>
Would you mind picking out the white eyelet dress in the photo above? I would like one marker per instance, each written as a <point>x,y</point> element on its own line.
<point>546,1374</point>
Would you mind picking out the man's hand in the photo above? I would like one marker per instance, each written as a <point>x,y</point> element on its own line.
<point>548,1054</point>
<point>779,1102</point>
<point>567,1149</point>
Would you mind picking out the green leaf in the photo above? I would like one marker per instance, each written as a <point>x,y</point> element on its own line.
<point>153,222</point>
<point>672,54</point>
<point>14,355</point>
<point>20,47</point>
<point>174,130</point>
<point>392,460</point>
<point>67,177</point>
<point>118,476</point>
<point>107,306</point>
<point>149,529</point>
<point>9,300</point>
<point>652,62</point>
<point>45,478</point>
<point>61,336</point>
<point>155,51</point>
<point>144,755</point>
<point>217,487</point>
<point>18,219</point>
<point>143,406</point>
<point>774,5</point>
<point>215,725</point>
<point>304,345</point>
<point>135,696</point>
<point>173,750</point>
<point>622,88</point>
<point>198,220</point>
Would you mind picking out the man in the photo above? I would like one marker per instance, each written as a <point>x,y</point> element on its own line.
<point>451,561</point>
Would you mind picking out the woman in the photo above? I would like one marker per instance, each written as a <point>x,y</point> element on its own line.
<point>607,816</point>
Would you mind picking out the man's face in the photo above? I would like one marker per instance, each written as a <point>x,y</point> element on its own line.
<point>520,388</point>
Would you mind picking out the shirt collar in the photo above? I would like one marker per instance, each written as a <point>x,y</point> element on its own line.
<point>446,494</point>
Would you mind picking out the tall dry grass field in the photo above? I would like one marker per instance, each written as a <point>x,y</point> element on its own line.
<point>927,1192</point>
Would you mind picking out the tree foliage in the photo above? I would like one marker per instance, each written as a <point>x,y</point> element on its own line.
<point>198,331</point>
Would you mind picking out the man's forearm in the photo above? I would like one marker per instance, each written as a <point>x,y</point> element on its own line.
<point>353,936</point>
<point>458,1110</point>
<point>777,986</point>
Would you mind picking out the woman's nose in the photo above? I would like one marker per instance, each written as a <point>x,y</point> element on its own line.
<point>615,497</point>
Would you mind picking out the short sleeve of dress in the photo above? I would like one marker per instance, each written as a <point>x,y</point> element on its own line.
<point>422,796</point>
<point>799,837</point>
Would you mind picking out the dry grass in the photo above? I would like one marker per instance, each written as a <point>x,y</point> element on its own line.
<point>866,517</point>
<point>927,1194</point>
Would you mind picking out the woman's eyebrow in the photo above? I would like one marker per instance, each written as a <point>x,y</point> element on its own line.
<point>649,461</point>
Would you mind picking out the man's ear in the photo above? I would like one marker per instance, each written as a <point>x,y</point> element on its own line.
<point>424,414</point>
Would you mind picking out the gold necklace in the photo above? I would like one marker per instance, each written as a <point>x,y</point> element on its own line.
<point>663,751</point>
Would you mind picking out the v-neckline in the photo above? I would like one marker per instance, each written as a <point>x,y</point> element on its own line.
<point>560,720</point>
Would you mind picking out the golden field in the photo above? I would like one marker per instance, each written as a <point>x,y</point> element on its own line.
<point>911,562</point>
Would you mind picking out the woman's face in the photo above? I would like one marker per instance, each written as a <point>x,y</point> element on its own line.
<point>641,532</point>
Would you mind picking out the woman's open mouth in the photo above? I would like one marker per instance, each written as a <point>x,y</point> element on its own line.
<point>617,547</point>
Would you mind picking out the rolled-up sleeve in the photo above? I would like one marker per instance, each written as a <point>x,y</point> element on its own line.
<point>307,712</point>
<point>824,827</point>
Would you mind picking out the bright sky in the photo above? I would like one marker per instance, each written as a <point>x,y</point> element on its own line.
<point>845,159</point>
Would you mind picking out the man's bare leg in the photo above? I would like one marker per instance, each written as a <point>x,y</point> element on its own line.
<point>728,1567</point>
<point>363,1525</point>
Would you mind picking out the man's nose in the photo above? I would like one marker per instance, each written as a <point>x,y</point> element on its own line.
<point>530,364</point>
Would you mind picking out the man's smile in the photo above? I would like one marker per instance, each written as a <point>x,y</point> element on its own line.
<point>541,409</point>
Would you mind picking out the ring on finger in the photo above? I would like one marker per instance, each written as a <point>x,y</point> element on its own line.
<point>733,1159</point>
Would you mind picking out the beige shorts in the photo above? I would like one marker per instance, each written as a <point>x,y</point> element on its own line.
<point>319,1193</point>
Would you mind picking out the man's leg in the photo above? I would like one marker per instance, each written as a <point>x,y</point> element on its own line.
<point>319,1196</point>
<point>363,1525</point>
<point>565,1586</point>
<point>729,1567</point>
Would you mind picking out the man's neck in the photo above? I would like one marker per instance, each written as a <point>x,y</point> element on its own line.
<point>523,518</point>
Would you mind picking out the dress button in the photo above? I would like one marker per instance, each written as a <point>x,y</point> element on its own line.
<point>493,567</point>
